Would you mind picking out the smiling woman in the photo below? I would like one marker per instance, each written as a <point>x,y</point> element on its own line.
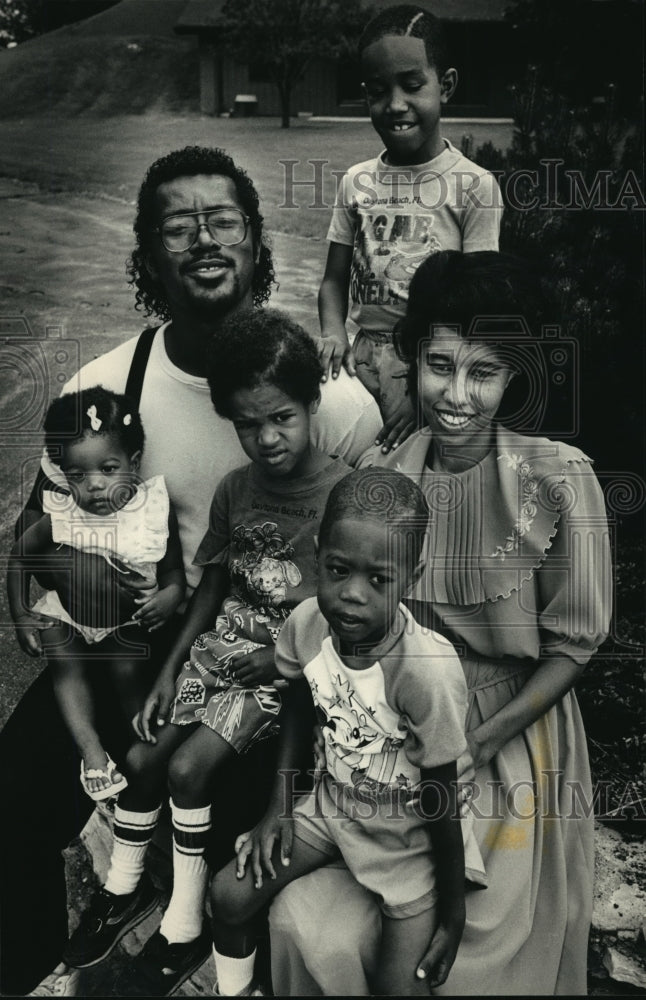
<point>461,386</point>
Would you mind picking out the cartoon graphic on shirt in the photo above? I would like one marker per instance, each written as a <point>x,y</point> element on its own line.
<point>354,737</point>
<point>270,578</point>
<point>265,570</point>
<point>388,250</point>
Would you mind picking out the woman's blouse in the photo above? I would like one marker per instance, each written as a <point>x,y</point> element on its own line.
<point>518,553</point>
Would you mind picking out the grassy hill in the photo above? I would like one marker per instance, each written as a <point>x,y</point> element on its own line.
<point>124,60</point>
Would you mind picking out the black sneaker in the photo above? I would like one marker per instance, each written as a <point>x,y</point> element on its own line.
<point>107,919</point>
<point>160,968</point>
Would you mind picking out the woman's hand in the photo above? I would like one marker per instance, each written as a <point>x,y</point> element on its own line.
<point>466,779</point>
<point>259,845</point>
<point>480,748</point>
<point>318,747</point>
<point>28,627</point>
<point>399,426</point>
<point>154,714</point>
<point>257,667</point>
<point>158,608</point>
<point>438,960</point>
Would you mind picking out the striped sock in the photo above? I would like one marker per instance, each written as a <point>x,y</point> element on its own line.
<point>182,920</point>
<point>132,833</point>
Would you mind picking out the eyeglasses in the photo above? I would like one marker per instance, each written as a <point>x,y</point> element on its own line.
<point>227,226</point>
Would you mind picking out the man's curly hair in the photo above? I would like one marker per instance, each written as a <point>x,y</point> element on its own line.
<point>189,162</point>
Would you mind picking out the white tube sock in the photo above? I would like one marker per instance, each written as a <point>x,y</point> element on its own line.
<point>234,974</point>
<point>182,920</point>
<point>132,833</point>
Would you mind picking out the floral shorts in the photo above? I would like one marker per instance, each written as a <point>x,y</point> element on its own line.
<point>207,691</point>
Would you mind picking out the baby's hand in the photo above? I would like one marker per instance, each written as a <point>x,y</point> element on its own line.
<point>257,667</point>
<point>156,609</point>
<point>336,351</point>
<point>28,628</point>
<point>399,426</point>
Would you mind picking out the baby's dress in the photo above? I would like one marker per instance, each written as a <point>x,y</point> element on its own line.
<point>136,535</point>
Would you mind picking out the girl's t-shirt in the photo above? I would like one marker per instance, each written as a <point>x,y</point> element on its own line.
<point>263,531</point>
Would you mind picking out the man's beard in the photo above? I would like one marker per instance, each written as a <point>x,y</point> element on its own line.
<point>209,309</point>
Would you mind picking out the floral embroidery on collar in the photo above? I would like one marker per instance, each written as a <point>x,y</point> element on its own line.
<point>529,507</point>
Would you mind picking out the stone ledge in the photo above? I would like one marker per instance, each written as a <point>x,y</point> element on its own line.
<point>617,939</point>
<point>619,910</point>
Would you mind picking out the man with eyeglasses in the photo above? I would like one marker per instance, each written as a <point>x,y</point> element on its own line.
<point>200,256</point>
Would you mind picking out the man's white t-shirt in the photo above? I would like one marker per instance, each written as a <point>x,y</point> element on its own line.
<point>193,448</point>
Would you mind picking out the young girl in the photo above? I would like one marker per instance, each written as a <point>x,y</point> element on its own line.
<point>259,563</point>
<point>96,439</point>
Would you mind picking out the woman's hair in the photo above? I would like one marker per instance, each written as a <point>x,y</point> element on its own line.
<point>486,296</point>
<point>410,21</point>
<point>384,495</point>
<point>262,347</point>
<point>190,162</point>
<point>92,412</point>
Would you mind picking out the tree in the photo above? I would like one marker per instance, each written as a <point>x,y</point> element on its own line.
<point>575,210</point>
<point>575,202</point>
<point>285,35</point>
<point>19,20</point>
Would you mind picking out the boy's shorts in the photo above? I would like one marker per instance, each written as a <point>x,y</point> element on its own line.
<point>386,846</point>
<point>380,370</point>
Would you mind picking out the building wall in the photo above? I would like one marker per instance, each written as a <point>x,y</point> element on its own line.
<point>482,53</point>
<point>316,92</point>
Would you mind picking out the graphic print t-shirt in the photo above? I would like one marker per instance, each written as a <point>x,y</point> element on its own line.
<point>406,711</point>
<point>394,217</point>
<point>263,531</point>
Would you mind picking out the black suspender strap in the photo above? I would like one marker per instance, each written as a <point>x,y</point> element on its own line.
<point>135,381</point>
<point>134,385</point>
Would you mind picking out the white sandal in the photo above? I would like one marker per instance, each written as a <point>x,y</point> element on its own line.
<point>58,984</point>
<point>98,772</point>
